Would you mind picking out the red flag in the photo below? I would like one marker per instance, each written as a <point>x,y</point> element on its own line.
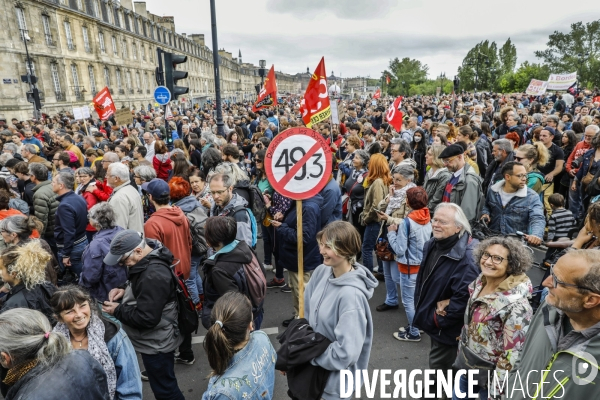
<point>303,110</point>
<point>394,115</point>
<point>104,105</point>
<point>268,94</point>
<point>387,79</point>
<point>377,94</point>
<point>316,97</point>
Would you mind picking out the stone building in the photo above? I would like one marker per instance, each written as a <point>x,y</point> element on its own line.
<point>77,47</point>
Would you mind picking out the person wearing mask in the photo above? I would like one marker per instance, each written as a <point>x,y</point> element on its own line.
<point>41,364</point>
<point>336,304</point>
<point>232,344</point>
<point>80,322</point>
<point>148,307</point>
<point>71,223</point>
<point>441,291</point>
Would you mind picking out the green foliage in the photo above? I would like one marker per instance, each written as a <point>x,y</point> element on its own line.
<point>508,57</point>
<point>519,80</point>
<point>409,71</point>
<point>576,50</point>
<point>430,86</point>
<point>480,67</point>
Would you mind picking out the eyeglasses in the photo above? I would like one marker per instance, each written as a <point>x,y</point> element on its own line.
<point>556,282</point>
<point>137,177</point>
<point>103,161</point>
<point>496,260</point>
<point>447,161</point>
<point>520,176</point>
<point>439,222</point>
<point>258,160</point>
<point>122,260</point>
<point>218,192</point>
<point>519,158</point>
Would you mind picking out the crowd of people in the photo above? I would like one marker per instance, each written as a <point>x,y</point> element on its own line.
<point>99,229</point>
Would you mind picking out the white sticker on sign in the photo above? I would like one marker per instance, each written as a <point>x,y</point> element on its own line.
<point>310,157</point>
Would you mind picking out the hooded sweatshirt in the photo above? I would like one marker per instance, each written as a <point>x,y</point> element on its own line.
<point>338,308</point>
<point>170,226</point>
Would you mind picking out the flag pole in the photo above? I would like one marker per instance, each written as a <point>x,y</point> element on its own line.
<point>300,259</point>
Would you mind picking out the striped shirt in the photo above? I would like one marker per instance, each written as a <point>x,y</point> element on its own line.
<point>559,223</point>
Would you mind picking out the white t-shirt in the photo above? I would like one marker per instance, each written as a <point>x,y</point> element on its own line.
<point>505,197</point>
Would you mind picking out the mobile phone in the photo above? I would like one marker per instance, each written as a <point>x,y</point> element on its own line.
<point>100,302</point>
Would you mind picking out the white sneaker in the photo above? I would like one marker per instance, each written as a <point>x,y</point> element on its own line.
<point>268,267</point>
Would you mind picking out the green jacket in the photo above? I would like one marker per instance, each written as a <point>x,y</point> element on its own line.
<point>570,359</point>
<point>375,192</point>
<point>45,205</point>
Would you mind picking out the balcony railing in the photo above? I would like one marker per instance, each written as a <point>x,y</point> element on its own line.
<point>49,41</point>
<point>140,91</point>
<point>60,96</point>
<point>121,91</point>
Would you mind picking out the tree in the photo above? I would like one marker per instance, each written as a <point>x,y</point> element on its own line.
<point>577,50</point>
<point>409,71</point>
<point>479,66</point>
<point>508,57</point>
<point>519,80</point>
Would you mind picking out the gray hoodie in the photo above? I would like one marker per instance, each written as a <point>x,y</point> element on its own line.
<point>338,308</point>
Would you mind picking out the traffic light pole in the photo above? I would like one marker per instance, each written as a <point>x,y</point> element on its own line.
<point>213,20</point>
<point>32,86</point>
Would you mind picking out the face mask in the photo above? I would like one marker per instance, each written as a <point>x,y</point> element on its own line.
<point>417,139</point>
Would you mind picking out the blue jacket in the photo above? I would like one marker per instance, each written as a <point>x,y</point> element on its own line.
<point>71,221</point>
<point>250,375</point>
<point>524,212</point>
<point>419,235</point>
<point>331,210</point>
<point>286,236</point>
<point>96,276</point>
<point>588,157</point>
<point>449,279</point>
<point>129,381</point>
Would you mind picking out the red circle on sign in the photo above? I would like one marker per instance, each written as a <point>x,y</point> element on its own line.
<point>282,150</point>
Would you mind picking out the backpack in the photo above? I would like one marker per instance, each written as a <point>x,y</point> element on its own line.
<point>197,219</point>
<point>187,315</point>
<point>253,225</point>
<point>256,283</point>
<point>257,201</point>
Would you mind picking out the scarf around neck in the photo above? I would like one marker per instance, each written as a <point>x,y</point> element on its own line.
<point>398,198</point>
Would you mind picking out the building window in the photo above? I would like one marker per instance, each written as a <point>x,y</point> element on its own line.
<point>75,81</point>
<point>80,5</point>
<point>69,35</point>
<point>101,41</point>
<point>143,53</point>
<point>121,21</point>
<point>47,31</point>
<point>124,48</point>
<point>136,25</point>
<point>92,79</point>
<point>116,20</point>
<point>144,29</point>
<point>86,39</point>
<point>114,46</point>
<point>21,22</point>
<point>106,77</point>
<point>128,79</point>
<point>151,32</point>
<point>96,8</point>
<point>145,81</point>
<point>150,52</point>
<point>134,50</point>
<point>55,77</point>
<point>119,85</point>
<point>138,83</point>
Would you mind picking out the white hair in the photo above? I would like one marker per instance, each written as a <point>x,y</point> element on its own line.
<point>120,171</point>
<point>460,219</point>
<point>593,128</point>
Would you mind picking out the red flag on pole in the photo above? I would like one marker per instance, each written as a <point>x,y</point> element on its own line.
<point>268,94</point>
<point>104,105</point>
<point>387,79</point>
<point>394,115</point>
<point>377,94</point>
<point>316,97</point>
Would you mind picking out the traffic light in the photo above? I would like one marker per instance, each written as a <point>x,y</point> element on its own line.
<point>456,84</point>
<point>172,75</point>
<point>33,96</point>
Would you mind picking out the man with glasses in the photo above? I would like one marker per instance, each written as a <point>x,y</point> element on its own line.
<point>562,344</point>
<point>511,206</point>
<point>147,308</point>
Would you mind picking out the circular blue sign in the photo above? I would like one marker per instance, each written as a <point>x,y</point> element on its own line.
<point>162,95</point>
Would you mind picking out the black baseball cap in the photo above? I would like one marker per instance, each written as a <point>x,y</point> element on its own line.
<point>123,242</point>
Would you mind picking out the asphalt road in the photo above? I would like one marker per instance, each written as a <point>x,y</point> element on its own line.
<point>386,353</point>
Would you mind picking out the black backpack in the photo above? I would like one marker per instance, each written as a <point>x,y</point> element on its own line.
<point>187,315</point>
<point>256,200</point>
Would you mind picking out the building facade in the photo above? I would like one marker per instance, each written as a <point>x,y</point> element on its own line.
<point>77,47</point>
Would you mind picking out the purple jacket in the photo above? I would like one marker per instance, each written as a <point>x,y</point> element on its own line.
<point>96,276</point>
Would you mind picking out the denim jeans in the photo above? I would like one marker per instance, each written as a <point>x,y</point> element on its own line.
<point>407,288</point>
<point>575,205</point>
<point>463,385</point>
<point>368,245</point>
<point>161,374</point>
<point>392,280</point>
<point>259,319</point>
<point>194,282</point>
<point>268,233</point>
<point>75,258</point>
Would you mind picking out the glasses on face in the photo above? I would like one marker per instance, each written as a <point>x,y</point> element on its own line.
<point>589,136</point>
<point>556,282</point>
<point>137,177</point>
<point>123,260</point>
<point>394,151</point>
<point>55,159</point>
<point>520,176</point>
<point>496,260</point>
<point>447,161</point>
<point>218,192</point>
<point>439,222</point>
<point>258,160</point>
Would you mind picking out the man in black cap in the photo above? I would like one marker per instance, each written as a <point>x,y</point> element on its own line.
<point>148,302</point>
<point>464,187</point>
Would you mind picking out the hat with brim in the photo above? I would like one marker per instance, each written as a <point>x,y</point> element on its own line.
<point>452,151</point>
<point>123,243</point>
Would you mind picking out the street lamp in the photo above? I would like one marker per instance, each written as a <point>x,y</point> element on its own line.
<point>262,71</point>
<point>442,78</point>
<point>30,78</point>
<point>213,21</point>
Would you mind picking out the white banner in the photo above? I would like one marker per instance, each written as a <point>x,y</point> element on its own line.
<point>77,113</point>
<point>561,81</point>
<point>334,113</point>
<point>536,87</point>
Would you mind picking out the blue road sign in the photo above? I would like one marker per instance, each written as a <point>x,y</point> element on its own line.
<point>162,95</point>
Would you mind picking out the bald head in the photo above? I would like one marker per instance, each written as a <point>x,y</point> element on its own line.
<point>110,156</point>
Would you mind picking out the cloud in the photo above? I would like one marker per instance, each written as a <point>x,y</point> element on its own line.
<point>343,9</point>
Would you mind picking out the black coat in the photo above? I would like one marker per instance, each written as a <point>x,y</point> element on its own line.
<point>36,298</point>
<point>299,345</point>
<point>487,181</point>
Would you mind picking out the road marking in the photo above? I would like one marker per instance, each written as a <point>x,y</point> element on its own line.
<point>268,331</point>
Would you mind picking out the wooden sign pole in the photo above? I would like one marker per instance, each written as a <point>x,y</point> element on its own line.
<point>300,260</point>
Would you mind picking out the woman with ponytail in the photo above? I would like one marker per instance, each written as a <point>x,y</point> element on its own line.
<point>37,363</point>
<point>533,156</point>
<point>242,360</point>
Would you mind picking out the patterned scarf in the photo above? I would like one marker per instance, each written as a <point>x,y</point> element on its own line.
<point>397,199</point>
<point>97,348</point>
<point>18,371</point>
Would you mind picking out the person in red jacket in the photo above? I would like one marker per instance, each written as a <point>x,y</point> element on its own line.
<point>161,161</point>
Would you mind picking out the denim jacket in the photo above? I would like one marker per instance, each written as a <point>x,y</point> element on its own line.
<point>419,235</point>
<point>129,383</point>
<point>250,375</point>
<point>524,212</point>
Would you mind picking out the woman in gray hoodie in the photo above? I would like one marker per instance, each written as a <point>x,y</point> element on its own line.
<point>336,304</point>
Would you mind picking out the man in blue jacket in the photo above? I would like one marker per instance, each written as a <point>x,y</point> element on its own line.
<point>286,235</point>
<point>511,206</point>
<point>441,291</point>
<point>71,221</point>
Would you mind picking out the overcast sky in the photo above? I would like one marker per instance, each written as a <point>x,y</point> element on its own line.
<point>359,37</point>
